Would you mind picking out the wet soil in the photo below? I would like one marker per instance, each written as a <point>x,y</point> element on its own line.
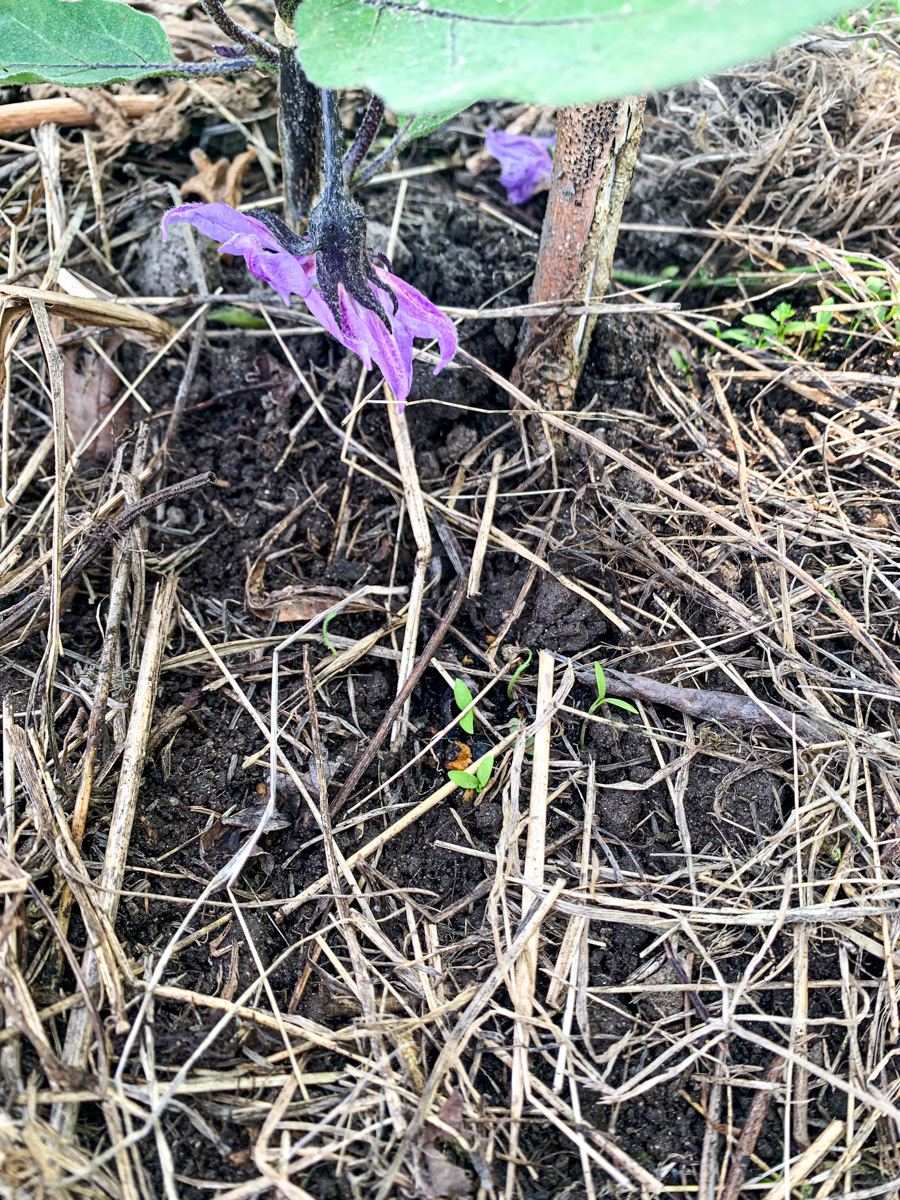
<point>242,404</point>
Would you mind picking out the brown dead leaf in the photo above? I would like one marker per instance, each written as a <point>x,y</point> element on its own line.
<point>220,180</point>
<point>90,386</point>
<point>444,1177</point>
<point>162,127</point>
<point>296,602</point>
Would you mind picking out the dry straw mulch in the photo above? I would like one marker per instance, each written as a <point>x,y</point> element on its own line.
<point>766,985</point>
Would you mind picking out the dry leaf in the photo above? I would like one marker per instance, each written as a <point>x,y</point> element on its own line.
<point>220,180</point>
<point>444,1177</point>
<point>90,386</point>
<point>296,602</point>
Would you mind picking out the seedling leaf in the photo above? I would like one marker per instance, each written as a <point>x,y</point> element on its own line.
<point>601,683</point>
<point>463,698</point>
<point>484,771</point>
<point>518,671</point>
<point>464,780</point>
<point>621,704</point>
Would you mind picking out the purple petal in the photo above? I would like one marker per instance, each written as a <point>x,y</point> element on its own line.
<point>525,162</point>
<point>242,234</point>
<point>421,317</point>
<point>361,330</point>
<point>218,221</point>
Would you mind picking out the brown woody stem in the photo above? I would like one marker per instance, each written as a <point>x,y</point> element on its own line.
<point>596,149</point>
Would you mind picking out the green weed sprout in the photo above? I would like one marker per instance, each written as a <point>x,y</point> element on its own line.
<point>463,698</point>
<point>477,782</point>
<point>602,698</point>
<point>774,329</point>
<point>518,671</point>
<point>325,638</point>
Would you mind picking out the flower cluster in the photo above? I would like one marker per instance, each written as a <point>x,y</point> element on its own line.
<point>525,162</point>
<point>273,254</point>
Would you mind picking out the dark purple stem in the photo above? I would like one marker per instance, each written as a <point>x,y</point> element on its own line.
<point>299,122</point>
<point>255,44</point>
<point>397,142</point>
<point>365,136</point>
<point>332,139</point>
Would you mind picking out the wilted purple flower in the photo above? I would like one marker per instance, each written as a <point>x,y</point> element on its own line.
<point>263,242</point>
<point>525,162</point>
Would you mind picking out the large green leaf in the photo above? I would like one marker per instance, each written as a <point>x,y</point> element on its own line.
<point>426,55</point>
<point>76,43</point>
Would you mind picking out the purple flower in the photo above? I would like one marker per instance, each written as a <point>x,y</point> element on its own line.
<point>263,242</point>
<point>525,162</point>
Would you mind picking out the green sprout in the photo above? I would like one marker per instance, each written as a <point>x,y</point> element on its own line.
<point>681,363</point>
<point>602,698</point>
<point>518,671</point>
<point>478,781</point>
<point>774,329</point>
<point>325,638</point>
<point>463,698</point>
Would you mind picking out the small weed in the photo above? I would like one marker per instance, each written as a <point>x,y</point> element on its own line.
<point>463,698</point>
<point>518,671</point>
<point>476,782</point>
<point>602,698</point>
<point>681,363</point>
<point>773,330</point>
<point>325,638</point>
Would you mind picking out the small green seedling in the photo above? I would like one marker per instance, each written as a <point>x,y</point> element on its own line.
<point>602,698</point>
<point>681,363</point>
<point>325,638</point>
<point>463,698</point>
<point>518,671</point>
<point>477,782</point>
<point>774,329</point>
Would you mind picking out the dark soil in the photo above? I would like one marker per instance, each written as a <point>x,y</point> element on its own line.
<point>242,404</point>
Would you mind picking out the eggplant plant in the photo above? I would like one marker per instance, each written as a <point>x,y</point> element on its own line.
<point>427,60</point>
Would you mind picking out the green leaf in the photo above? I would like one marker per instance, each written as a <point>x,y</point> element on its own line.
<point>484,771</point>
<point>601,682</point>
<point>422,126</point>
<point>783,311</point>
<point>229,314</point>
<point>799,326</point>
<point>760,321</point>
<point>464,780</point>
<point>622,704</point>
<point>463,698</point>
<point>78,43</point>
<point>427,55</point>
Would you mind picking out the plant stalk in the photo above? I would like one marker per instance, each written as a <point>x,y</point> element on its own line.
<point>299,122</point>
<point>596,149</point>
<point>366,134</point>
<point>257,46</point>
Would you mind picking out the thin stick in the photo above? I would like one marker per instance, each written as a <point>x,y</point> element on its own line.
<point>405,692</point>
<point>484,529</point>
<point>63,1117</point>
<point>418,522</point>
<point>808,1160</point>
<point>533,877</point>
